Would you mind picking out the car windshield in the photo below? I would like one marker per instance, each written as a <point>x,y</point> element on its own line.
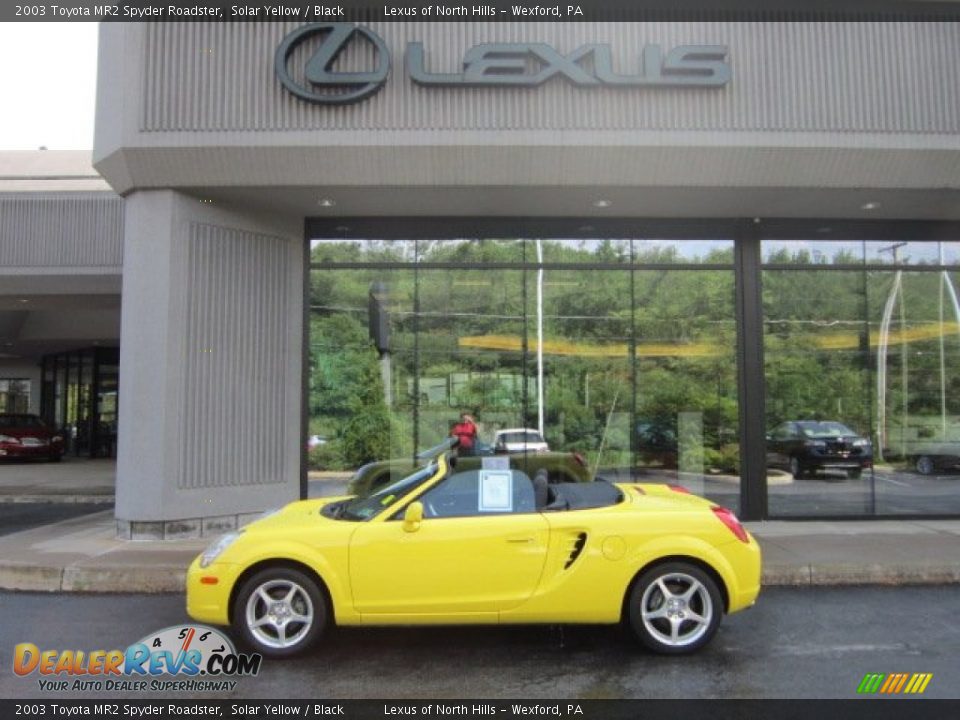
<point>519,437</point>
<point>825,430</point>
<point>364,508</point>
<point>21,421</point>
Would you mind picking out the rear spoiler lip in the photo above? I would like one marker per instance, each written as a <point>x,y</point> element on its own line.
<point>437,450</point>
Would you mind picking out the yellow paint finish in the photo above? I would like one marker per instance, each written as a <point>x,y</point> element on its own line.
<point>614,548</point>
<point>508,568</point>
<point>448,565</point>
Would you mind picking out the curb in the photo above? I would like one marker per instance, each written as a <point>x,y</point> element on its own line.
<point>78,579</point>
<point>59,498</point>
<point>849,575</point>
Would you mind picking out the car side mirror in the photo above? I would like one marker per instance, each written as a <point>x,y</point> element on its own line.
<point>412,517</point>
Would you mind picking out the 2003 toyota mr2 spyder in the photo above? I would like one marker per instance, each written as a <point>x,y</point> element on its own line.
<point>481,545</point>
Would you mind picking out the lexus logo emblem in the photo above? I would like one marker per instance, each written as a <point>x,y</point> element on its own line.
<point>322,84</point>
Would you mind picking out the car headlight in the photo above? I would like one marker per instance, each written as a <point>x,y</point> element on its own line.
<point>8,438</point>
<point>860,442</point>
<point>57,438</point>
<point>217,547</point>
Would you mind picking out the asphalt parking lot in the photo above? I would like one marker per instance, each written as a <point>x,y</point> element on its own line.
<point>795,643</point>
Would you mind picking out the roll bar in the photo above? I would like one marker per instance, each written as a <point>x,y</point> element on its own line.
<point>437,450</point>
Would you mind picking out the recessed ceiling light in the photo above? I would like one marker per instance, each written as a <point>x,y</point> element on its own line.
<point>602,203</point>
<point>22,300</point>
<point>870,206</point>
<point>342,228</point>
<point>326,202</point>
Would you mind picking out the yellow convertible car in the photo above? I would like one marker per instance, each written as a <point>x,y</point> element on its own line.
<point>486,545</point>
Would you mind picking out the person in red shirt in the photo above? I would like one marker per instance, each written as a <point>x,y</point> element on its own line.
<point>466,432</point>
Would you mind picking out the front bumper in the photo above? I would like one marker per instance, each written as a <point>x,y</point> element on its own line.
<point>841,463</point>
<point>11,450</point>
<point>207,601</point>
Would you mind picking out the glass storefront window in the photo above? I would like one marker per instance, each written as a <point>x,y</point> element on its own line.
<point>629,356</point>
<point>485,251</point>
<point>812,252</point>
<point>14,395</point>
<point>350,251</point>
<point>79,397</point>
<point>687,410</point>
<point>915,340</point>
<point>639,252</point>
<point>817,377</point>
<point>862,374</point>
<point>910,253</point>
<point>361,359</point>
<point>637,373</point>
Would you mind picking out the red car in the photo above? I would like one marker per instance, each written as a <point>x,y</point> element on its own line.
<point>28,436</point>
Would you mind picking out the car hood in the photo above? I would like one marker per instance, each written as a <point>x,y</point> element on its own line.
<point>301,512</point>
<point>25,432</point>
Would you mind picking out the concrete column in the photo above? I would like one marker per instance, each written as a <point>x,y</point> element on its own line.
<point>210,361</point>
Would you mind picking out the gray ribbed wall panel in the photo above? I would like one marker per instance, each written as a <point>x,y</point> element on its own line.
<point>878,77</point>
<point>69,230</point>
<point>237,319</point>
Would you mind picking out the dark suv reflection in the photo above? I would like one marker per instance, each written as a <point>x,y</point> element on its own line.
<point>657,444</point>
<point>805,446</point>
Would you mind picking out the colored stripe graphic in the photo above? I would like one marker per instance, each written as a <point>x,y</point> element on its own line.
<point>924,680</point>
<point>870,683</point>
<point>894,684</point>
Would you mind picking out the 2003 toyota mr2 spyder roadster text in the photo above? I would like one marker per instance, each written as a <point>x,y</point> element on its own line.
<point>484,545</point>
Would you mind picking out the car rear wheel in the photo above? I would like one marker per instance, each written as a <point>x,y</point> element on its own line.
<point>675,608</point>
<point>280,612</point>
<point>925,465</point>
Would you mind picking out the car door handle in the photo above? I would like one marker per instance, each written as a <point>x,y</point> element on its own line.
<point>520,539</point>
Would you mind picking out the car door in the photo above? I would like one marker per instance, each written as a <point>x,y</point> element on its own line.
<point>467,557</point>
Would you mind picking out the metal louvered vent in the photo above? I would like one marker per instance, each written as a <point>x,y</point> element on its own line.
<point>576,549</point>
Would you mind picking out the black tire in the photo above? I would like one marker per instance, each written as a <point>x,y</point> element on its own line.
<point>55,458</point>
<point>925,465</point>
<point>672,625</point>
<point>294,594</point>
<point>855,473</point>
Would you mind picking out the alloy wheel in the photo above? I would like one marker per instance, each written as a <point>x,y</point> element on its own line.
<point>280,611</point>
<point>675,608</point>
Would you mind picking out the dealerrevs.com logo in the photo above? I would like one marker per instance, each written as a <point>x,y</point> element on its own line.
<point>201,657</point>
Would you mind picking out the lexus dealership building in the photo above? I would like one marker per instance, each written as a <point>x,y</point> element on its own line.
<point>668,245</point>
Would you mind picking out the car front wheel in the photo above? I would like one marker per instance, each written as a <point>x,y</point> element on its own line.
<point>675,608</point>
<point>925,465</point>
<point>796,468</point>
<point>280,612</point>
